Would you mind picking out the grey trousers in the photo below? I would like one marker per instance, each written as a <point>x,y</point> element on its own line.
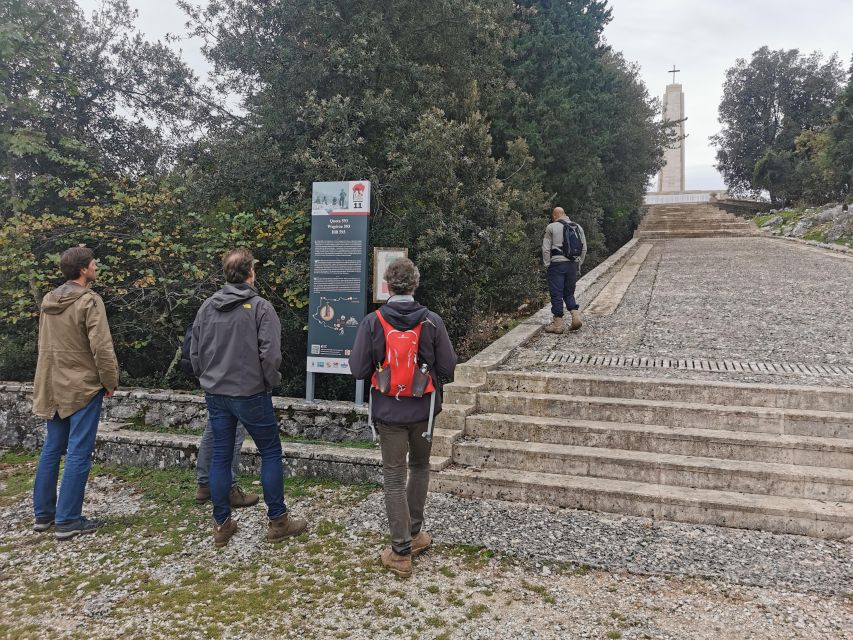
<point>405,485</point>
<point>205,455</point>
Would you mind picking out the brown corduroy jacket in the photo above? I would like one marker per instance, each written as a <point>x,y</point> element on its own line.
<point>76,357</point>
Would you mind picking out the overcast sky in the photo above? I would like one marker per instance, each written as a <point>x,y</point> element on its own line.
<point>701,37</point>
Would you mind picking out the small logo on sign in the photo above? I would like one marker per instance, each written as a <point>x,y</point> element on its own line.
<point>247,306</point>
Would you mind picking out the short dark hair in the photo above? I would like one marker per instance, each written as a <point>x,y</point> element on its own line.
<point>74,260</point>
<point>237,265</point>
<point>402,276</point>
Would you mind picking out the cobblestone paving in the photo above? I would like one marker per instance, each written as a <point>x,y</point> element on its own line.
<point>744,299</point>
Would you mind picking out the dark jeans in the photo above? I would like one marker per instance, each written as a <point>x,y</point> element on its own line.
<point>405,484</point>
<point>257,415</point>
<point>562,277</point>
<point>74,438</point>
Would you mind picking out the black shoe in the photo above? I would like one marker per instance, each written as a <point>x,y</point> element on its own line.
<point>83,525</point>
<point>42,524</point>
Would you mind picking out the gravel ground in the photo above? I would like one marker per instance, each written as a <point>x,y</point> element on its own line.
<point>746,299</point>
<point>549,536</point>
<point>153,573</point>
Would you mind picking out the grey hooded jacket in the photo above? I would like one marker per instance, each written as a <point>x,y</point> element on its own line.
<point>236,343</point>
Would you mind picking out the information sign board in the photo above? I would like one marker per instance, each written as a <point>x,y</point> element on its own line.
<point>338,273</point>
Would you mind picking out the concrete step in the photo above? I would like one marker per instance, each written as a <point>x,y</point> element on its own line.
<point>710,443</point>
<point>828,424</point>
<point>665,389</point>
<point>704,506</point>
<point>662,235</point>
<point>795,481</point>
<point>464,393</point>
<point>443,441</point>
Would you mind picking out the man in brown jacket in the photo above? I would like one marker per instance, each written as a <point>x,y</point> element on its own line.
<point>76,368</point>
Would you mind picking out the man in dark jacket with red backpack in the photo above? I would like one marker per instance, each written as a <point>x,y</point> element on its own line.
<point>403,348</point>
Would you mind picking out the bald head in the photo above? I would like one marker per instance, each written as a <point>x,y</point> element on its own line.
<point>558,213</point>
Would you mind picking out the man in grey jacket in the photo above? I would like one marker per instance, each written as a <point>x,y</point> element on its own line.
<point>235,353</point>
<point>562,269</point>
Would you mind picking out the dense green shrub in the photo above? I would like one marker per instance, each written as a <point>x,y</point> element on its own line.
<point>471,118</point>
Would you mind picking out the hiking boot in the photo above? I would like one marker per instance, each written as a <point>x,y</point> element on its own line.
<point>202,494</point>
<point>222,532</point>
<point>577,323</point>
<point>556,325</point>
<point>240,498</point>
<point>420,542</point>
<point>285,527</point>
<point>397,564</point>
<point>83,525</point>
<point>42,524</point>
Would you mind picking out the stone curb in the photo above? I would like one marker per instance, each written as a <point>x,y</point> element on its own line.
<point>495,354</point>
<point>169,450</point>
<point>164,395</point>
<point>837,248</point>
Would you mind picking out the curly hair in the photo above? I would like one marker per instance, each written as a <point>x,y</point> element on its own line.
<point>402,277</point>
<point>237,265</point>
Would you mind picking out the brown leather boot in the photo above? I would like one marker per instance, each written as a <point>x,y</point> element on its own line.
<point>202,494</point>
<point>240,498</point>
<point>285,527</point>
<point>420,542</point>
<point>577,323</point>
<point>222,532</point>
<point>556,326</point>
<point>397,564</point>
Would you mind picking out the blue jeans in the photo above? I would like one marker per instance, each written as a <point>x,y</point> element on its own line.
<point>257,415</point>
<point>205,455</point>
<point>562,277</point>
<point>74,438</point>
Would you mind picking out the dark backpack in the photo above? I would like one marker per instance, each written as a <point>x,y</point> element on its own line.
<point>572,245</point>
<point>185,363</point>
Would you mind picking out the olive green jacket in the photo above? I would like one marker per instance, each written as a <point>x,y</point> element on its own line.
<point>76,358</point>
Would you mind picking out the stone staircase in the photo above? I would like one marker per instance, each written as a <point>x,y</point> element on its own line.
<point>691,221</point>
<point>771,457</point>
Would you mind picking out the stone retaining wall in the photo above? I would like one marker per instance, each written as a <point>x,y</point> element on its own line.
<point>183,413</point>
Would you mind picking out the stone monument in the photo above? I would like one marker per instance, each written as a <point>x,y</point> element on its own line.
<point>671,177</point>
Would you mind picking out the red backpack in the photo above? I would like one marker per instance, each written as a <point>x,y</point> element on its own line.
<point>400,375</point>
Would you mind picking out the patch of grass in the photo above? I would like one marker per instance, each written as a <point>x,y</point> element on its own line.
<point>447,572</point>
<point>455,600</point>
<point>614,635</point>
<point>433,589</point>
<point>791,214</point>
<point>435,622</point>
<point>540,590</point>
<point>21,632</point>
<point>18,457</point>
<point>817,234</point>
<point>617,616</point>
<point>760,220</point>
<point>17,474</point>
<point>475,611</point>
<point>473,556</point>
